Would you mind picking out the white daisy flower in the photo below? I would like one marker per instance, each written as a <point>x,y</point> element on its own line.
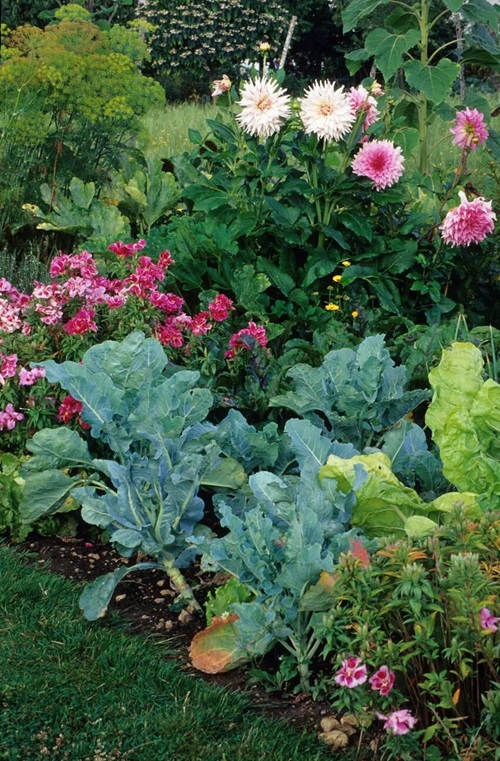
<point>264,106</point>
<point>326,112</point>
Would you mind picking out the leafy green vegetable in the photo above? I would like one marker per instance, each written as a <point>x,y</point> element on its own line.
<point>354,394</point>
<point>464,417</point>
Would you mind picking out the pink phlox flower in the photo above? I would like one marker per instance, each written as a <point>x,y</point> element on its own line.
<point>352,673</point>
<point>169,335</point>
<point>167,302</point>
<point>469,129</point>
<point>470,222</point>
<point>84,262</point>
<point>115,302</point>
<point>398,722</point>
<point>60,265</point>
<point>220,307</point>
<point>381,161</point>
<point>29,377</point>
<point>51,313</point>
<point>258,332</point>
<point>10,320</point>
<point>146,266</point>
<point>77,286</point>
<point>47,291</point>
<point>96,294</point>
<point>8,365</point>
<point>383,680</point>
<point>364,103</point>
<point>127,249</point>
<point>26,329</point>
<point>82,322</point>
<point>165,259</point>
<point>200,324</point>
<point>488,621</point>
<point>9,418</point>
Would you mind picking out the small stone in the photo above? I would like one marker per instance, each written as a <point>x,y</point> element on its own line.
<point>158,600</point>
<point>160,583</point>
<point>185,617</point>
<point>329,723</point>
<point>119,598</point>
<point>94,556</point>
<point>336,739</point>
<point>167,593</point>
<point>169,625</point>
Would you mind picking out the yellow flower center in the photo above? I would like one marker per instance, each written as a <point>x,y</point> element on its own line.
<point>326,108</point>
<point>264,103</point>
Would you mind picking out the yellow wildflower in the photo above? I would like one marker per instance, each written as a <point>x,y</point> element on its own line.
<point>337,278</point>
<point>354,314</point>
<point>346,263</point>
<point>332,307</point>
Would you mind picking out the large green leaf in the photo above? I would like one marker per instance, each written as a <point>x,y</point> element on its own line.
<point>56,448</point>
<point>82,193</point>
<point>161,191</point>
<point>388,48</point>
<point>434,81</point>
<point>95,598</point>
<point>357,10</point>
<point>44,493</point>
<point>131,364</point>
<point>481,12</point>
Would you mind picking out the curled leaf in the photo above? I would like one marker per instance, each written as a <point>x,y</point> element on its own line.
<point>215,649</point>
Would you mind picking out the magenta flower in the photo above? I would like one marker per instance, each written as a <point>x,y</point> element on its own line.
<point>82,322</point>
<point>468,223</point>
<point>383,680</point>
<point>381,161</point>
<point>238,340</point>
<point>9,418</point>
<point>488,621</point>
<point>29,377</point>
<point>220,307</point>
<point>8,365</point>
<point>470,129</point>
<point>398,722</point>
<point>127,249</point>
<point>352,673</point>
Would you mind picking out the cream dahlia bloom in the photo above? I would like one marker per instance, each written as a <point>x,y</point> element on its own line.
<point>326,112</point>
<point>264,107</point>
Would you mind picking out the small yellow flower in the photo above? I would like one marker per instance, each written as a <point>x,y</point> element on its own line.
<point>354,314</point>
<point>332,307</point>
<point>264,47</point>
<point>346,263</point>
<point>337,278</point>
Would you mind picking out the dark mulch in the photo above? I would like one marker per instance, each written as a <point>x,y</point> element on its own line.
<point>143,600</point>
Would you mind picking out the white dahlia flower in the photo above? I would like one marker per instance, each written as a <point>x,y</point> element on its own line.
<point>327,112</point>
<point>264,106</point>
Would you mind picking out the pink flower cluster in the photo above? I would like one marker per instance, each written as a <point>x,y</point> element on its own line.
<point>353,672</point>
<point>9,418</point>
<point>488,621</point>
<point>470,222</point>
<point>70,408</point>
<point>239,340</point>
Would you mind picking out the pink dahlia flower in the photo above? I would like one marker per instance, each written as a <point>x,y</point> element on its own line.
<point>469,129</point>
<point>383,680</point>
<point>398,722</point>
<point>352,673</point>
<point>468,223</point>
<point>364,103</point>
<point>381,161</point>
<point>488,621</point>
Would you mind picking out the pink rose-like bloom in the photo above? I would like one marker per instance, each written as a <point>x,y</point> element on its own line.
<point>470,129</point>
<point>364,103</point>
<point>352,673</point>
<point>398,722</point>
<point>9,418</point>
<point>488,621</point>
<point>220,307</point>
<point>381,161</point>
<point>383,680</point>
<point>127,249</point>
<point>29,377</point>
<point>68,409</point>
<point>468,223</point>
<point>9,317</point>
<point>199,324</point>
<point>82,322</point>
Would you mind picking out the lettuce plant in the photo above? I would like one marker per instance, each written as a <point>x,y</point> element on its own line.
<point>464,417</point>
<point>161,449</point>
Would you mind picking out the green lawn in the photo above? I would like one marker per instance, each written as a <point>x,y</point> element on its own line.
<point>75,691</point>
